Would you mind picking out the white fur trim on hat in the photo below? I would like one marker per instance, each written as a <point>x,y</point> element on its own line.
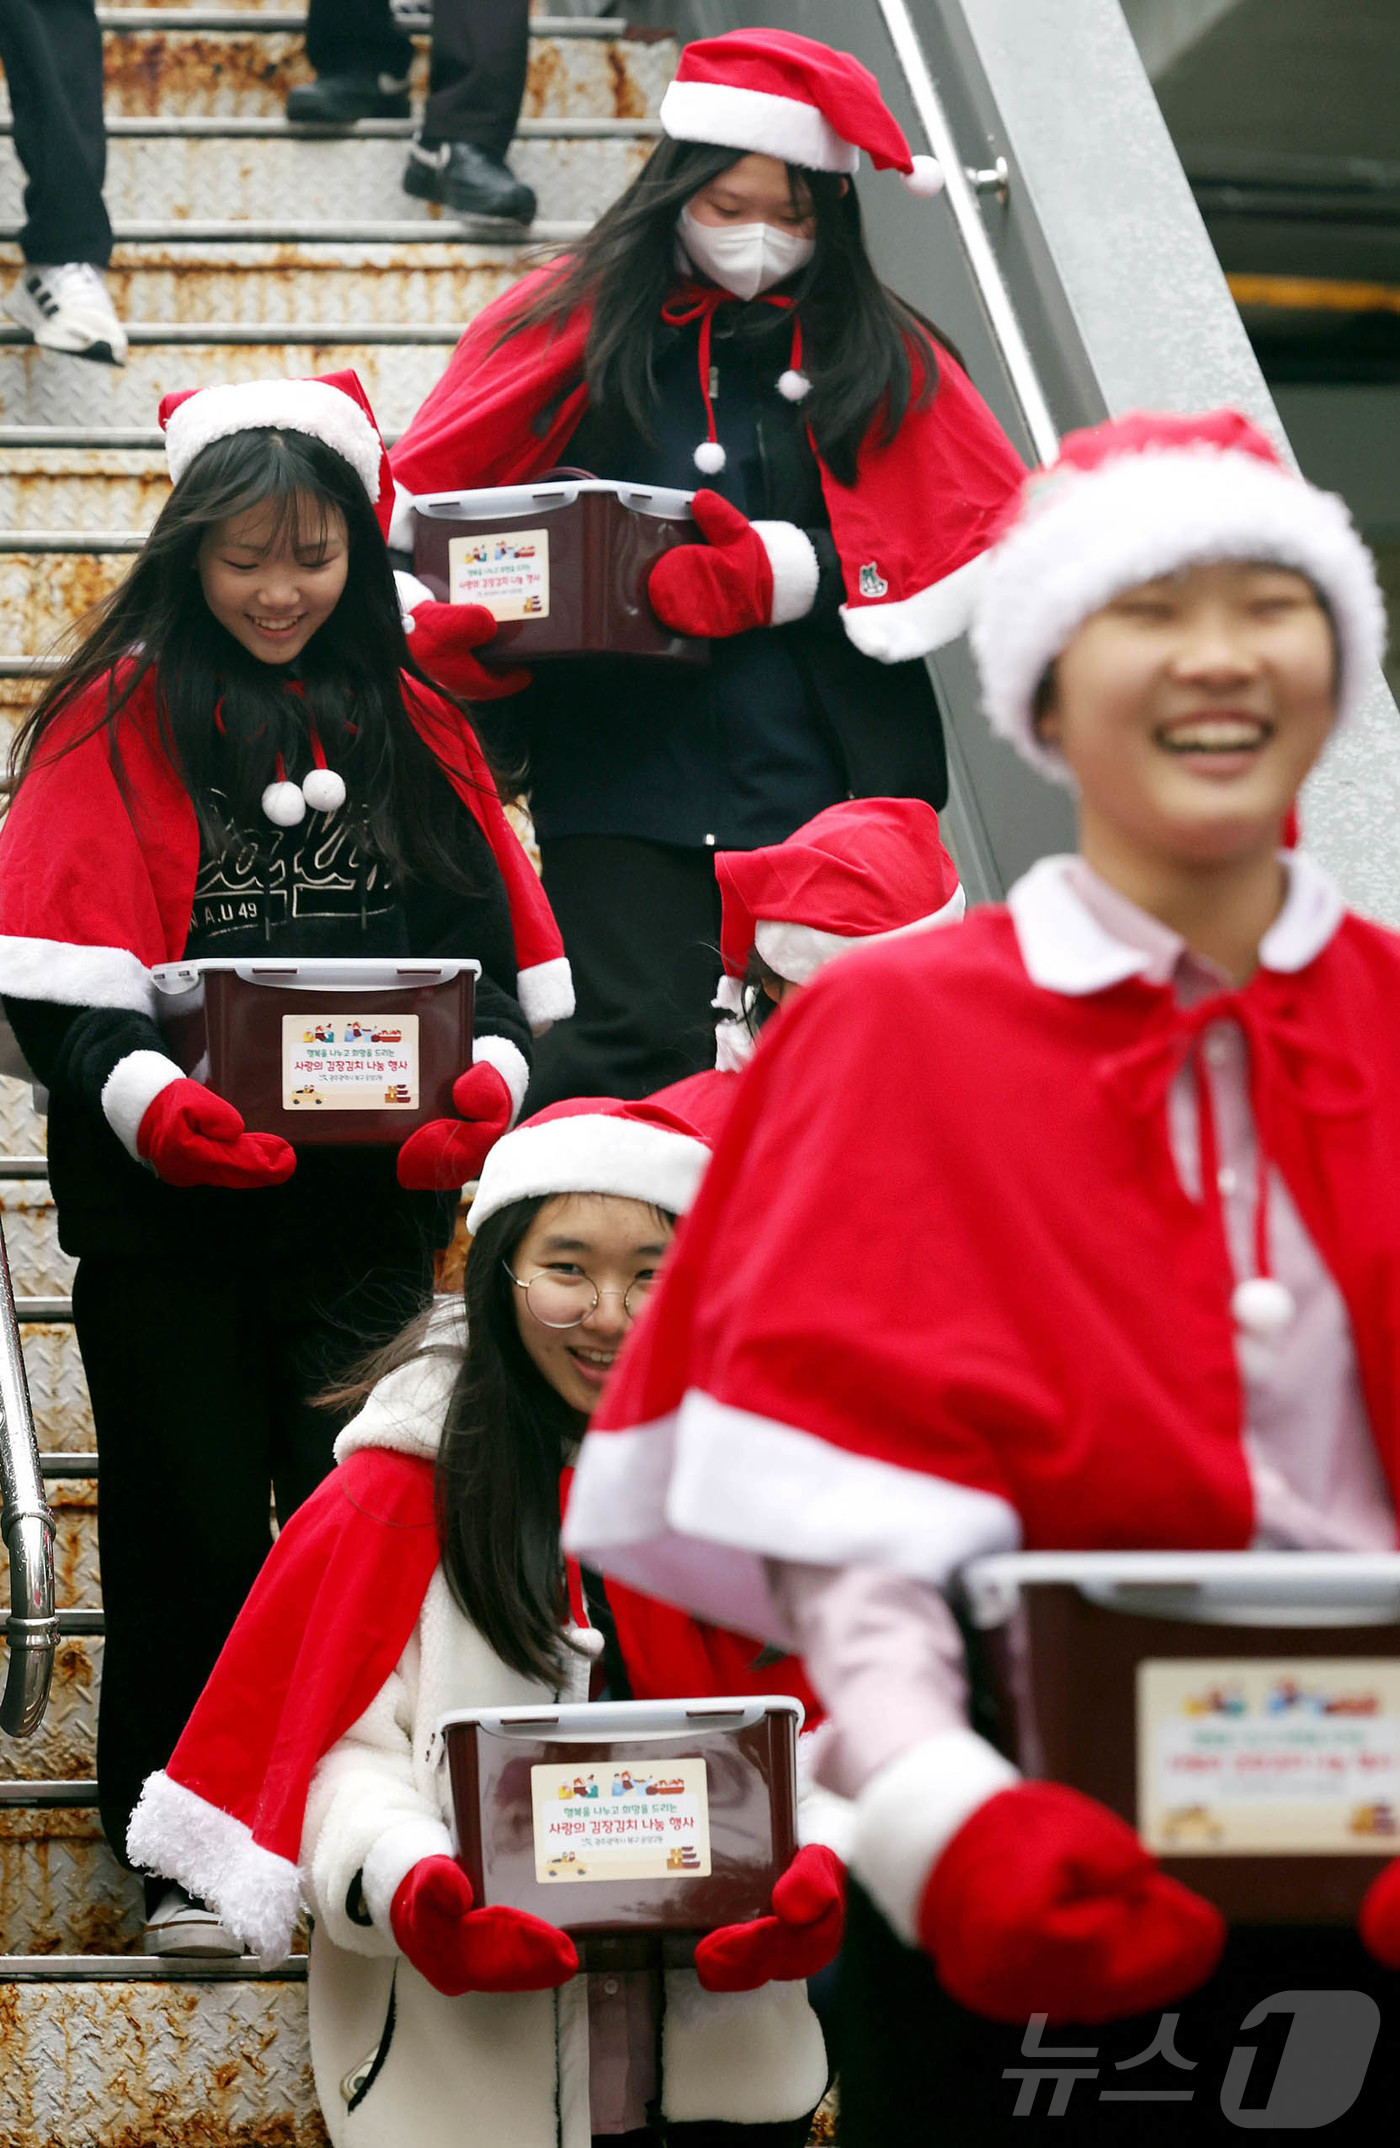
<point>546,994</point>
<point>733,118</point>
<point>1086,536</point>
<point>797,952</point>
<point>917,625</point>
<point>297,406</point>
<point>592,1153</point>
<point>796,570</point>
<point>73,976</point>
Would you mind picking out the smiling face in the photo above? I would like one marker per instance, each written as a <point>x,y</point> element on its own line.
<point>756,190</point>
<point>618,1245</point>
<point>273,577</point>
<point>1190,709</point>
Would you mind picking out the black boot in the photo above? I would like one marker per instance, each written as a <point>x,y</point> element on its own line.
<point>468,179</point>
<point>338,100</point>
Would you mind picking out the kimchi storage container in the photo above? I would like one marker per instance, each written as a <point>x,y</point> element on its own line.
<point>342,1052</point>
<point>633,1825</point>
<point>562,565</point>
<point>1240,1710</point>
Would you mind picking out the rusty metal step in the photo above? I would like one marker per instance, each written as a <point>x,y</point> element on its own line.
<point>49,1796</point>
<point>229,168</point>
<point>214,61</point>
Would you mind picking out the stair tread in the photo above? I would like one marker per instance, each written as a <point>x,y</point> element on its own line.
<point>235,126</point>
<point>311,231</point>
<point>147,1969</point>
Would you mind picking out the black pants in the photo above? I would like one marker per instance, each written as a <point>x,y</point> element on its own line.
<point>201,1373</point>
<point>641,929</point>
<point>52,55</point>
<point>1324,2054</point>
<point>480,55</point>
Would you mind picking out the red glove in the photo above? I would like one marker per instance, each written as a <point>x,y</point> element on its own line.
<point>441,638</point>
<point>726,586</point>
<point>458,1948</point>
<point>1044,1902</point>
<point>801,1937</point>
<point>190,1137</point>
<point>1379,1922</point>
<point>441,1156</point>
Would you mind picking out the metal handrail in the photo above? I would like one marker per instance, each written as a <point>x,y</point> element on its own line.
<point>963,188</point>
<point>28,1529</point>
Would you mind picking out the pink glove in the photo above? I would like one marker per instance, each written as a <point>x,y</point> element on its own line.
<point>801,1937</point>
<point>458,1948</point>
<point>727,585</point>
<point>190,1137</point>
<point>441,1156</point>
<point>1044,1902</point>
<point>1379,1921</point>
<point>441,641</point>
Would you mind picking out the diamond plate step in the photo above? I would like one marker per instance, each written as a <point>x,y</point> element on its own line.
<point>120,2060</point>
<point>354,284</point>
<point>217,64</point>
<point>61,1889</point>
<point>45,388</point>
<point>238,174</point>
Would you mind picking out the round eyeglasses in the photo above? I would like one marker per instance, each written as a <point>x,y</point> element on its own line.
<point>562,1301</point>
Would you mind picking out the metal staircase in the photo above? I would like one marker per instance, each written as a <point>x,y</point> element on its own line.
<point>244,248</point>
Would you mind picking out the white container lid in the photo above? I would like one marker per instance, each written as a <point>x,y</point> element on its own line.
<point>1241,1588</point>
<point>588,1722</point>
<point>324,973</point>
<point>497,503</point>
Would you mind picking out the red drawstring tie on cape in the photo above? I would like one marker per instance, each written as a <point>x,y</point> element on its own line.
<point>700,302</point>
<point>1286,1064</point>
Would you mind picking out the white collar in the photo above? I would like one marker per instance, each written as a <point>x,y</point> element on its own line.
<point>1067,949</point>
<point>405,1413</point>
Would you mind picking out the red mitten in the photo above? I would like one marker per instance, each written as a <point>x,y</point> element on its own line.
<point>801,1937</point>
<point>441,1156</point>
<point>190,1137</point>
<point>1379,1921</point>
<point>748,574</point>
<point>441,638</point>
<point>458,1948</point>
<point>1044,1902</point>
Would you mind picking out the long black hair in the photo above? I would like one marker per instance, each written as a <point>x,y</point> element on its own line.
<point>868,355</point>
<point>349,673</point>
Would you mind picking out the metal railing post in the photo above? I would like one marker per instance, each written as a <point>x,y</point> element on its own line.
<point>28,1528</point>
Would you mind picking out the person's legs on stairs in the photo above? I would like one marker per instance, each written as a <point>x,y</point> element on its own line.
<point>640,922</point>
<point>480,65</point>
<point>362,61</point>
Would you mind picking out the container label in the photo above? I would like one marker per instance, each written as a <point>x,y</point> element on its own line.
<point>1284,1757</point>
<point>614,1822</point>
<point>508,573</point>
<point>349,1062</point>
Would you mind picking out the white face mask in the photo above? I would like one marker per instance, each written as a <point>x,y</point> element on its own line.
<point>744,258</point>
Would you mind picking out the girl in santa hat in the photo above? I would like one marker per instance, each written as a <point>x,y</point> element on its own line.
<point>867,870</point>
<point>426,1575</point>
<point>241,760</point>
<point>1084,1234</point>
<point>722,325</point>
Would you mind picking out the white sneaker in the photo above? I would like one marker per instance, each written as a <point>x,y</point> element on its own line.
<point>182,1926</point>
<point>65,307</point>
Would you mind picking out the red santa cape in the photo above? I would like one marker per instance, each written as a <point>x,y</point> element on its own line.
<point>910,532</point>
<point>97,877</point>
<point>941,1291</point>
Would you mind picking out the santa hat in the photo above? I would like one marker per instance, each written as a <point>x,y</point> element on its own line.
<point>595,1144</point>
<point>786,96</point>
<point>333,409</point>
<point>866,870</point>
<point>1146,495</point>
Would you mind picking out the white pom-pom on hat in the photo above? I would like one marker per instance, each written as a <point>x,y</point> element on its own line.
<point>710,458</point>
<point>793,386</point>
<point>925,179</point>
<point>1262,1306</point>
<point>284,804</point>
<point>324,790</point>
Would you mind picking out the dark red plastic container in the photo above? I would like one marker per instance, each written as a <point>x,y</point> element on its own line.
<point>232,1023</point>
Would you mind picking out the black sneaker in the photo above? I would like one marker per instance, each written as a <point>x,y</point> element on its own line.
<point>339,100</point>
<point>467,179</point>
